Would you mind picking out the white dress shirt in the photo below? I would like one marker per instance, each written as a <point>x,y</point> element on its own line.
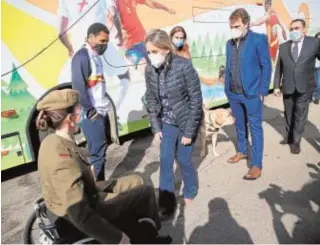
<point>299,46</point>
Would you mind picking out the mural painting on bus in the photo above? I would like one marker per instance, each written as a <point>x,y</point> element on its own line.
<point>16,104</point>
<point>206,23</point>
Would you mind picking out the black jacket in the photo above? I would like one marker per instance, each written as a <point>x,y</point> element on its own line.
<point>297,75</point>
<point>184,95</point>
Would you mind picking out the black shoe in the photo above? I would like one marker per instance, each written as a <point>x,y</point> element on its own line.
<point>167,204</point>
<point>295,149</point>
<point>316,102</point>
<point>145,232</point>
<point>163,240</point>
<point>284,142</point>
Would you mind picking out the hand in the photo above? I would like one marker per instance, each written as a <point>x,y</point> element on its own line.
<point>171,11</point>
<point>70,52</point>
<point>93,115</point>
<point>125,239</point>
<point>158,136</point>
<point>120,38</point>
<point>186,141</point>
<point>121,41</point>
<point>276,92</point>
<point>92,170</point>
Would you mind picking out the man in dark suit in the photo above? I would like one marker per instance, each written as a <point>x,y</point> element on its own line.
<point>247,80</point>
<point>295,74</point>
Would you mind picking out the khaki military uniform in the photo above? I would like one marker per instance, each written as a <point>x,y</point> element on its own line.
<point>101,211</point>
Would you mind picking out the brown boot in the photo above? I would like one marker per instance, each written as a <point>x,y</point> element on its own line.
<point>237,157</point>
<point>253,174</point>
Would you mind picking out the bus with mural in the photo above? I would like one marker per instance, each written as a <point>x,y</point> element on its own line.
<point>39,38</point>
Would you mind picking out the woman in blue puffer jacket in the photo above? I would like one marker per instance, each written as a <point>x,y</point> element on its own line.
<point>174,104</point>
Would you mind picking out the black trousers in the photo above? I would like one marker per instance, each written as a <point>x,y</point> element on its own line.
<point>296,109</point>
<point>125,209</point>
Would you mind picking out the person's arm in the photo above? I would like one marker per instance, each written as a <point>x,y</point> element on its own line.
<point>260,21</point>
<point>265,64</point>
<point>69,187</point>
<point>63,26</point>
<point>156,5</point>
<point>192,82</point>
<point>227,70</point>
<point>318,49</point>
<point>278,72</point>
<point>283,28</point>
<point>114,20</point>
<point>152,105</point>
<point>80,72</point>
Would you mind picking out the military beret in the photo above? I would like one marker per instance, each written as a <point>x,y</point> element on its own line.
<point>58,99</point>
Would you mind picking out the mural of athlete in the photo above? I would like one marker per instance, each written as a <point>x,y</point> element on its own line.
<point>85,13</point>
<point>274,33</point>
<point>134,32</point>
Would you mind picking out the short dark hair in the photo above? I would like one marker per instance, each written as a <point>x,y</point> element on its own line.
<point>303,22</point>
<point>317,34</point>
<point>242,14</point>
<point>96,28</point>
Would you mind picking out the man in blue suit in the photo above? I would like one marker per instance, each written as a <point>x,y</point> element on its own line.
<point>247,79</point>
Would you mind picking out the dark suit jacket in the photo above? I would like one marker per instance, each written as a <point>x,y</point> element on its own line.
<point>255,67</point>
<point>297,75</point>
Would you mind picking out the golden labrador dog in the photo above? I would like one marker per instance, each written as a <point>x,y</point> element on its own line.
<point>212,121</point>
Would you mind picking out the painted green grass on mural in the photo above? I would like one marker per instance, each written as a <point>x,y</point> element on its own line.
<point>134,126</point>
<point>11,160</point>
<point>217,103</point>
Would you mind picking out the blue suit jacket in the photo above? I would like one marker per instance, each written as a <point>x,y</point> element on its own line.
<point>255,67</point>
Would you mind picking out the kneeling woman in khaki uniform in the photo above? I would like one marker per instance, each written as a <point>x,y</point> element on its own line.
<point>113,213</point>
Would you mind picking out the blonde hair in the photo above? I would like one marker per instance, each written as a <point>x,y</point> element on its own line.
<point>160,39</point>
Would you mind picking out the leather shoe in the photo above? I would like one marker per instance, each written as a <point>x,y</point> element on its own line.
<point>253,174</point>
<point>295,149</point>
<point>237,157</point>
<point>163,240</point>
<point>284,142</point>
<point>167,204</point>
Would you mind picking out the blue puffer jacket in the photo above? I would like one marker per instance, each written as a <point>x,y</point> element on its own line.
<point>184,94</point>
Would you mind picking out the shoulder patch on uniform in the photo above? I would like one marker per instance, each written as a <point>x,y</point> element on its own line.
<point>64,152</point>
<point>64,155</point>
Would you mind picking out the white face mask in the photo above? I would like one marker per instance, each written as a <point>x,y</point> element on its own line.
<point>157,60</point>
<point>236,33</point>
<point>295,36</point>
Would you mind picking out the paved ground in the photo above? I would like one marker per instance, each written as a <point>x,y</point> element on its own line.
<point>281,207</point>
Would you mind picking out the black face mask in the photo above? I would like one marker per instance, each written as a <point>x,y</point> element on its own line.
<point>100,48</point>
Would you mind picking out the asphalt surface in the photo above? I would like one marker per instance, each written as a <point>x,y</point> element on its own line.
<point>283,206</point>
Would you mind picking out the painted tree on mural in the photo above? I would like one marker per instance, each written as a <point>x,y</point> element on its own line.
<point>16,97</point>
<point>212,49</point>
<point>220,59</point>
<point>18,91</point>
<point>195,51</point>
